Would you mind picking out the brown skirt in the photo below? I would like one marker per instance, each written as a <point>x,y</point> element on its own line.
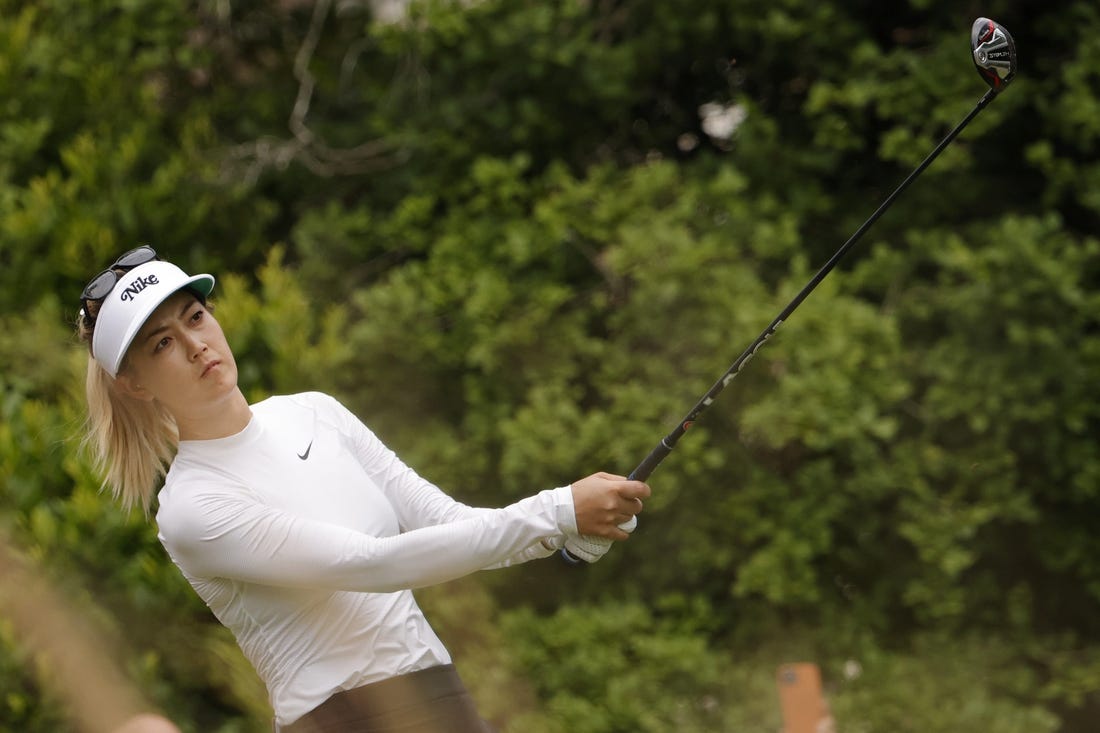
<point>432,700</point>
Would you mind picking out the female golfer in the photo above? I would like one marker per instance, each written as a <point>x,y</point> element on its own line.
<point>300,530</point>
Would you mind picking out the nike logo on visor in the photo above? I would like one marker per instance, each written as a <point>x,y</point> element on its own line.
<point>305,455</point>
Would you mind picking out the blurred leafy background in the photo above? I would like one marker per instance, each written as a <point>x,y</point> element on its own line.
<point>520,239</point>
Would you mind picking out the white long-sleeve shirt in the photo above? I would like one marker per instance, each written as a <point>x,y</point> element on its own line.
<point>304,534</point>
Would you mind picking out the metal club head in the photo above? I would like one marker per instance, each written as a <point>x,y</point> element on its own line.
<point>994,53</point>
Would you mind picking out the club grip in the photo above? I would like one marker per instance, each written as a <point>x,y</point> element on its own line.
<point>647,466</point>
<point>570,558</point>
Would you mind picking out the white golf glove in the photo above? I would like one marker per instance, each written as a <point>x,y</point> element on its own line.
<point>589,549</point>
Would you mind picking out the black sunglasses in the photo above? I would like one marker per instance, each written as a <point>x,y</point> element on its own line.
<point>100,286</point>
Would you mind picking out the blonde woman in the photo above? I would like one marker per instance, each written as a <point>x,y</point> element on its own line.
<point>300,530</point>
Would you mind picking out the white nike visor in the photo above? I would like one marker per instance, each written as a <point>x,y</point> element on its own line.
<point>130,303</point>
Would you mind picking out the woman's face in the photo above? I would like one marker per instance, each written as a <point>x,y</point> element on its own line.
<point>180,358</point>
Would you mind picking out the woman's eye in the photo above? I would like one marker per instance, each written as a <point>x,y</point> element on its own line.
<point>197,315</point>
<point>161,344</point>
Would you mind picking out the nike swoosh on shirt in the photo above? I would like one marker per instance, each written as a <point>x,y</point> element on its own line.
<point>305,455</point>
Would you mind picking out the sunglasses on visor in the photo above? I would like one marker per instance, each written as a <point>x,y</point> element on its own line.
<point>100,286</point>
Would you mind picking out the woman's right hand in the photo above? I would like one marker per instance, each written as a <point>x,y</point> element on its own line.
<point>603,501</point>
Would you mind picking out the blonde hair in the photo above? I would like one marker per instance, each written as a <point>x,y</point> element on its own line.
<point>132,441</point>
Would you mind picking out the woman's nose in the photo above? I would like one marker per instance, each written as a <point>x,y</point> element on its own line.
<point>195,345</point>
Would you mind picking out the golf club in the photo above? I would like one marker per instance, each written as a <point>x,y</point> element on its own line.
<point>994,55</point>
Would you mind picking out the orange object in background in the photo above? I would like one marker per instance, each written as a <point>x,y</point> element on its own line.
<point>805,709</point>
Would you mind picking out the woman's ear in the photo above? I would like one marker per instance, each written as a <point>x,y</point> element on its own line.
<point>128,386</point>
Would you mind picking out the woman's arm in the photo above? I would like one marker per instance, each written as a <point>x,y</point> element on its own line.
<point>227,534</point>
<point>602,501</point>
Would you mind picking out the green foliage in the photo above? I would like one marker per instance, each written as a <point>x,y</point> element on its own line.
<point>280,340</point>
<point>615,668</point>
<point>101,156</point>
<point>961,684</point>
<point>623,668</point>
<point>24,706</point>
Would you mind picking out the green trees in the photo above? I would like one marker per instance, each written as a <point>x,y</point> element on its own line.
<point>503,234</point>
